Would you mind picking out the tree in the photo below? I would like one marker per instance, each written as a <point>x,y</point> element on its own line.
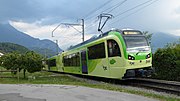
<point>33,62</point>
<point>30,62</point>
<point>7,47</point>
<point>167,62</point>
<point>10,61</point>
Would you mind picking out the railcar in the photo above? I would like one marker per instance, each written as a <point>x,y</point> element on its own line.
<point>115,54</point>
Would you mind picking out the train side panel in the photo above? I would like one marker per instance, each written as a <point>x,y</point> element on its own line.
<point>52,63</point>
<point>105,57</point>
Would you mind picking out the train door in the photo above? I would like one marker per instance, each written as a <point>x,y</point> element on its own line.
<point>97,60</point>
<point>115,59</point>
<point>84,62</point>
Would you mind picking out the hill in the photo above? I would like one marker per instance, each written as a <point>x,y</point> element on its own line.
<point>12,35</point>
<point>6,47</point>
<point>160,39</point>
<point>49,48</point>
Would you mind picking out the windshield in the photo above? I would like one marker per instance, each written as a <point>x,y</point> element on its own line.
<point>135,41</point>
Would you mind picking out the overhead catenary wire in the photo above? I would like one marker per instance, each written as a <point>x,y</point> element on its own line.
<point>144,3</point>
<point>69,36</point>
<point>69,39</point>
<point>110,9</point>
<point>141,8</point>
<point>87,16</point>
<point>133,8</point>
<point>92,24</point>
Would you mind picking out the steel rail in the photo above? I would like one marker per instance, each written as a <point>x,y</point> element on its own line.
<point>172,87</point>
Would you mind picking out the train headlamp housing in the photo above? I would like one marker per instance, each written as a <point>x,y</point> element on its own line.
<point>131,57</point>
<point>148,56</point>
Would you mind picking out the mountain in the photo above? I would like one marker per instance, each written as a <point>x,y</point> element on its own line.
<point>49,48</point>
<point>160,39</point>
<point>12,35</point>
<point>6,47</point>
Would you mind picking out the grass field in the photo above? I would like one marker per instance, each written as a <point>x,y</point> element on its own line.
<point>50,78</point>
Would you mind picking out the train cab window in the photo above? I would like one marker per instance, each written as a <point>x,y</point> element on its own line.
<point>113,48</point>
<point>97,51</point>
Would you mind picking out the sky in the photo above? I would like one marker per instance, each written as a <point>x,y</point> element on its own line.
<point>38,18</point>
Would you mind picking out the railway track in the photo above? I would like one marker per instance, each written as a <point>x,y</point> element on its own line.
<point>171,87</point>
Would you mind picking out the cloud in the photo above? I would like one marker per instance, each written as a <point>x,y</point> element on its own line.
<point>33,10</point>
<point>39,17</point>
<point>160,16</point>
<point>19,9</point>
<point>65,35</point>
<point>178,10</point>
<point>33,29</point>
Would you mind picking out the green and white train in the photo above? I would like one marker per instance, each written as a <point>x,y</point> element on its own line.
<point>116,54</point>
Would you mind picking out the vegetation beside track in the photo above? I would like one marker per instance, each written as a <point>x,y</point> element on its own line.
<point>50,78</point>
<point>167,62</point>
<point>28,62</point>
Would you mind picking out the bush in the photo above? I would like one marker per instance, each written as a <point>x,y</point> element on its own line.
<point>167,62</point>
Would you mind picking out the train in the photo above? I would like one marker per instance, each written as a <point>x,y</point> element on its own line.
<point>116,54</point>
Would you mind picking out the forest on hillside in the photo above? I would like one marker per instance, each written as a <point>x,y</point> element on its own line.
<point>6,47</point>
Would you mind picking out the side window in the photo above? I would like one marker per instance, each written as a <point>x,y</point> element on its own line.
<point>72,60</point>
<point>96,51</point>
<point>113,48</point>
<point>52,63</point>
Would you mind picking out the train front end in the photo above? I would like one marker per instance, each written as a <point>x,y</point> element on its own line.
<point>138,54</point>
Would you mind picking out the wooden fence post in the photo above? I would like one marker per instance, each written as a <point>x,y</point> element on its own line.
<point>18,74</point>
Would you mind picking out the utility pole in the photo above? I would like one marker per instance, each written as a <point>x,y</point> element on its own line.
<point>56,46</point>
<point>82,30</point>
<point>56,40</point>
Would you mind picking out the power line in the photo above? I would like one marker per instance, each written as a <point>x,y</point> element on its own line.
<point>115,6</point>
<point>133,8</point>
<point>72,25</point>
<point>69,39</point>
<point>68,36</point>
<point>110,10</point>
<point>134,12</point>
<point>96,9</point>
<point>92,24</point>
<point>140,9</point>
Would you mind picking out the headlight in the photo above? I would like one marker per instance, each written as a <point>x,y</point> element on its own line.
<point>148,56</point>
<point>131,57</point>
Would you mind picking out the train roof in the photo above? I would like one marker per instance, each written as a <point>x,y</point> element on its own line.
<point>89,40</point>
<point>100,36</point>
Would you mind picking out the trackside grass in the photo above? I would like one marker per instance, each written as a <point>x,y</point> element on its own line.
<point>50,78</point>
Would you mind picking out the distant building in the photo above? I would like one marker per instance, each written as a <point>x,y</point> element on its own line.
<point>1,54</point>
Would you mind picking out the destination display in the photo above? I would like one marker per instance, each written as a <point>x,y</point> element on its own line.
<point>132,32</point>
